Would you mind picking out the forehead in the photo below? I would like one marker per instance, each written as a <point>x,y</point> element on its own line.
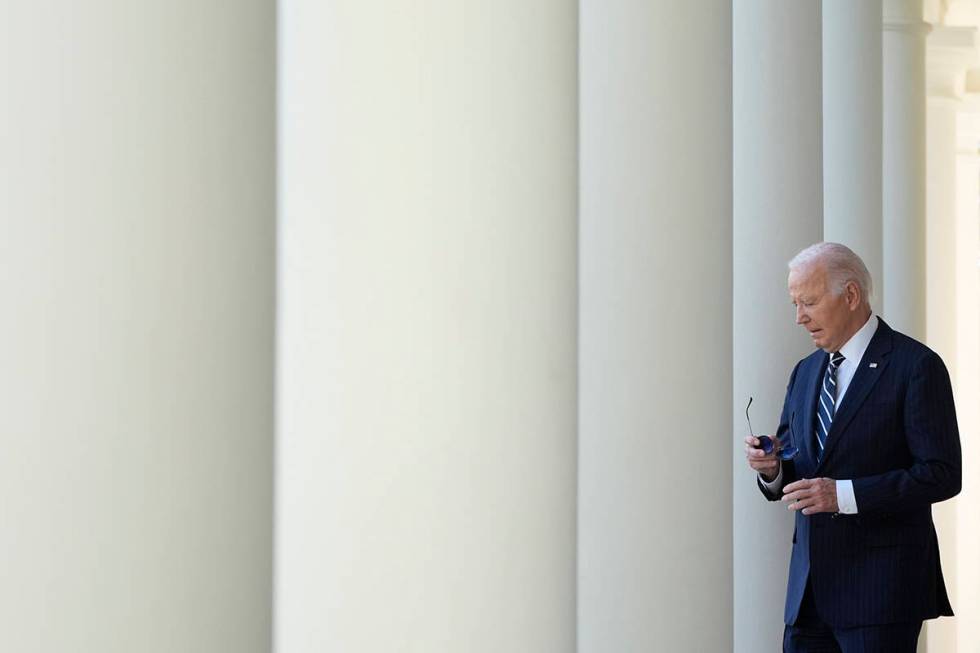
<point>807,280</point>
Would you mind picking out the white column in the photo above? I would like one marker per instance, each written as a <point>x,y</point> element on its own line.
<point>137,187</point>
<point>778,211</point>
<point>950,50</point>
<point>941,227</point>
<point>941,314</point>
<point>655,311</point>
<point>903,169</point>
<point>852,130</point>
<point>967,580</point>
<point>427,338</point>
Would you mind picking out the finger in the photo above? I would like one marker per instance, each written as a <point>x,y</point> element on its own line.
<point>797,495</point>
<point>822,503</point>
<point>815,508</point>
<point>752,441</point>
<point>798,485</point>
<point>803,504</point>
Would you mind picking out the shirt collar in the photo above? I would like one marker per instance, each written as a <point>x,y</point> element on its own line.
<point>853,350</point>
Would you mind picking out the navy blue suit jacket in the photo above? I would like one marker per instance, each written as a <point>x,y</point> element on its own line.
<point>895,436</point>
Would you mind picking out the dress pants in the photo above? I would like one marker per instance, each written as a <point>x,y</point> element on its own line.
<point>811,635</point>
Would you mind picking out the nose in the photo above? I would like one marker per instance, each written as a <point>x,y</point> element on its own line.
<point>801,316</point>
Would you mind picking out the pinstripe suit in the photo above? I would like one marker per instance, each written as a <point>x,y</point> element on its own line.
<point>895,436</point>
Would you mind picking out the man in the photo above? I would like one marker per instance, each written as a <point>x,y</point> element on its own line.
<point>871,414</point>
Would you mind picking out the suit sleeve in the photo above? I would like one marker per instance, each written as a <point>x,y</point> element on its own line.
<point>782,432</point>
<point>933,441</point>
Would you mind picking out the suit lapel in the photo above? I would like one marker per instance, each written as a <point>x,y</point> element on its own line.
<point>861,385</point>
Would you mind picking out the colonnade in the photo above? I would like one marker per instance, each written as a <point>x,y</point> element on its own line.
<point>530,265</point>
<point>821,149</point>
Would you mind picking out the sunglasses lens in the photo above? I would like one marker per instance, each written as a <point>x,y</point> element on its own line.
<point>788,453</point>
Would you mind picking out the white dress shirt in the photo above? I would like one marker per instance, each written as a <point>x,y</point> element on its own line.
<point>853,351</point>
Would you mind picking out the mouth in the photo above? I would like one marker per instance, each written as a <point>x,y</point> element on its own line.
<point>813,334</point>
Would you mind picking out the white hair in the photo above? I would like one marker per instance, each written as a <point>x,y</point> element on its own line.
<point>842,265</point>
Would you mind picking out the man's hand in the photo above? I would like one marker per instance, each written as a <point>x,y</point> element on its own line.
<point>812,495</point>
<point>766,464</point>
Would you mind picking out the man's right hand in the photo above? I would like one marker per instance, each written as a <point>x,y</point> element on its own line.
<point>767,465</point>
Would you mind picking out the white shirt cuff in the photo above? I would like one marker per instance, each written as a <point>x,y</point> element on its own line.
<point>846,503</point>
<point>777,483</point>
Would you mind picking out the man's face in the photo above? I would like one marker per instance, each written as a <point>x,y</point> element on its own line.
<point>828,317</point>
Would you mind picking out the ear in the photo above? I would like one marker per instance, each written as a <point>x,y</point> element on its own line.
<point>852,293</point>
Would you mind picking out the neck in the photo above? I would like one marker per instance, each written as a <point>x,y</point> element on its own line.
<point>860,319</point>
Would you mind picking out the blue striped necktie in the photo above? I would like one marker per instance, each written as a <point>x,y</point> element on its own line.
<point>826,407</point>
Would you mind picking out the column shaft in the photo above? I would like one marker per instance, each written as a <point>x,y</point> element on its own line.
<point>655,315</point>
<point>967,604</point>
<point>778,211</point>
<point>137,269</point>
<point>903,166</point>
<point>941,313</point>
<point>950,51</point>
<point>941,230</point>
<point>852,130</point>
<point>427,333</point>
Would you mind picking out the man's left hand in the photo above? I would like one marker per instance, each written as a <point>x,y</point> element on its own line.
<point>812,495</point>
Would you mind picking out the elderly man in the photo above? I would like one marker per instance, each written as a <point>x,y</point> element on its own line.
<point>871,416</point>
